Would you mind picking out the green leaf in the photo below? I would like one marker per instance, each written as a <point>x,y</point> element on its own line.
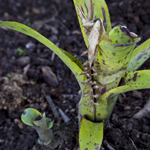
<point>121,35</point>
<point>74,59</point>
<point>122,89</point>
<point>29,116</point>
<point>100,11</point>
<point>139,56</point>
<point>91,135</point>
<point>138,77</point>
<point>49,123</point>
<point>83,109</point>
<point>108,99</point>
<point>114,59</point>
<point>131,81</point>
<point>44,122</point>
<point>67,58</point>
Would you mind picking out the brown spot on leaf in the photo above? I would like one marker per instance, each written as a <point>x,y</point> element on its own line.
<point>116,78</point>
<point>103,62</point>
<point>24,30</point>
<point>96,148</point>
<point>141,55</point>
<point>135,76</point>
<point>128,53</point>
<point>82,9</point>
<point>104,16</point>
<point>103,90</point>
<point>114,54</point>
<point>124,29</point>
<point>24,112</point>
<point>86,7</point>
<point>12,27</point>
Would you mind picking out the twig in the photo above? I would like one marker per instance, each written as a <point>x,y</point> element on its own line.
<point>52,57</point>
<point>64,116</point>
<point>133,143</point>
<point>52,105</point>
<point>108,145</point>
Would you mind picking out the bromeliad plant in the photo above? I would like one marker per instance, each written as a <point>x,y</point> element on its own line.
<point>108,71</point>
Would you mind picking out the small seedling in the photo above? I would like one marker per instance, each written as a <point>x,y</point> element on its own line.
<point>9,76</point>
<point>42,125</point>
<point>21,52</point>
<point>108,71</point>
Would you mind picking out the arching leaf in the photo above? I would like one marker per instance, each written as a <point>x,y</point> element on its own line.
<point>136,77</point>
<point>131,81</point>
<point>139,56</point>
<point>73,63</point>
<point>122,89</point>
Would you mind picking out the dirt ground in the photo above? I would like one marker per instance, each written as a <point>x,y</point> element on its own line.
<point>25,79</point>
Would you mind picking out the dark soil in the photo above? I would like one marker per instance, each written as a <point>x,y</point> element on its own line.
<point>23,83</point>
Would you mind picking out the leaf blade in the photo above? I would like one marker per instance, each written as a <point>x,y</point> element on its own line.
<point>29,115</point>
<point>139,56</point>
<point>132,81</point>
<point>138,77</point>
<point>91,135</point>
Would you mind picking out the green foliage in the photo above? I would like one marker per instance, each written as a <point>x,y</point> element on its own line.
<point>91,135</point>
<point>131,81</point>
<point>139,56</point>
<point>112,57</point>
<point>120,55</point>
<point>33,117</point>
<point>136,77</point>
<point>29,116</point>
<point>42,125</point>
